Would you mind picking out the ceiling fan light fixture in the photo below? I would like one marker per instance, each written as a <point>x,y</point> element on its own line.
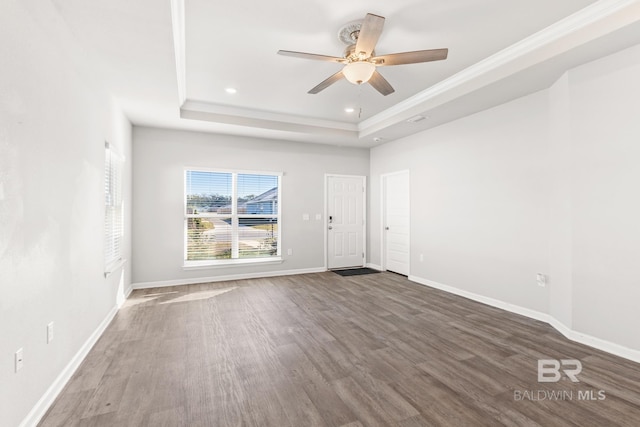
<point>358,72</point>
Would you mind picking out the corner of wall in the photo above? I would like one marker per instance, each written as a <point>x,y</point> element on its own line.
<point>567,331</point>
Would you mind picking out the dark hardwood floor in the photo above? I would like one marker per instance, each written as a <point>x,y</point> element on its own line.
<point>325,350</point>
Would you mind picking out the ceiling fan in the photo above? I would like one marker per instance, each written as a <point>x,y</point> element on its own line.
<point>360,60</point>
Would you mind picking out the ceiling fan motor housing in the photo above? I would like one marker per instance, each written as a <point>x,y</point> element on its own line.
<point>352,56</point>
<point>348,33</point>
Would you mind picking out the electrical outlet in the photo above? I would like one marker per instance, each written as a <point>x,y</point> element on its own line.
<point>49,332</point>
<point>541,279</point>
<point>421,257</point>
<point>289,251</point>
<point>19,360</point>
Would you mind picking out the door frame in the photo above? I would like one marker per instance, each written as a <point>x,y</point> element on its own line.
<point>383,213</point>
<point>326,215</point>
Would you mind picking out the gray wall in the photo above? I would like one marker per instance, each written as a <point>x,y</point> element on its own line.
<point>547,183</point>
<point>605,207</point>
<point>159,159</point>
<point>54,121</point>
<point>478,201</point>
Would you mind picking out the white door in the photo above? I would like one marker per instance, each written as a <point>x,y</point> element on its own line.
<point>396,222</point>
<point>345,221</point>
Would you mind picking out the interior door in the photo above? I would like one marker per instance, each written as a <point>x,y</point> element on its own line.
<point>345,221</point>
<point>396,222</point>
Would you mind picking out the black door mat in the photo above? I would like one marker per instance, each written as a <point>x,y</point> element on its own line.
<point>355,271</point>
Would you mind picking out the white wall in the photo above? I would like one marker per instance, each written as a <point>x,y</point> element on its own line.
<point>547,183</point>
<point>159,159</point>
<point>53,125</point>
<point>605,173</point>
<point>560,227</point>
<point>478,201</point>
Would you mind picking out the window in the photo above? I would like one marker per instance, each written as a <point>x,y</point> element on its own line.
<point>231,217</point>
<point>114,212</point>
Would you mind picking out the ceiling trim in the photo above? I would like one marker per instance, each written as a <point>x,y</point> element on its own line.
<point>249,114</point>
<point>179,46</point>
<point>199,110</point>
<point>558,38</point>
<point>589,23</point>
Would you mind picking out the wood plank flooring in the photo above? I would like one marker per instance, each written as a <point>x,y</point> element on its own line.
<point>325,350</point>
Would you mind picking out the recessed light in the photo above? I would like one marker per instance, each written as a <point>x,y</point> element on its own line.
<point>349,110</point>
<point>378,139</point>
<point>230,90</point>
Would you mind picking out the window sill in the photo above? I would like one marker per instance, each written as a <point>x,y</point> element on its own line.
<point>113,267</point>
<point>201,265</point>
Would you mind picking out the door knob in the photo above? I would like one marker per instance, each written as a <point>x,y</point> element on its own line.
<point>386,228</point>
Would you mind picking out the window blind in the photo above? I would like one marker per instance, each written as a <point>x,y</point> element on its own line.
<point>231,215</point>
<point>114,213</point>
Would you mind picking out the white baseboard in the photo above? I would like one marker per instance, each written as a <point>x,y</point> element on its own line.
<point>374,266</point>
<point>40,408</point>
<point>127,292</point>
<point>591,341</point>
<point>600,344</point>
<point>533,314</point>
<point>195,280</point>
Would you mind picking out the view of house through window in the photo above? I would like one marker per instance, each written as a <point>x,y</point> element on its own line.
<point>230,215</point>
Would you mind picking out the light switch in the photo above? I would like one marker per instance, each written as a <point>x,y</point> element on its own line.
<point>305,217</point>
<point>318,217</point>
<point>541,279</point>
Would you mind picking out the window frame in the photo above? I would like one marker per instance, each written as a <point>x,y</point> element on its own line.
<point>235,220</point>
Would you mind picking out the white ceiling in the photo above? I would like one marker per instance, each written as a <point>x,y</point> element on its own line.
<point>169,62</point>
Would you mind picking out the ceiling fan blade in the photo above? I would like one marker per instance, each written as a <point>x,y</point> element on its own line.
<point>313,56</point>
<point>411,57</point>
<point>327,82</point>
<point>380,84</point>
<point>369,34</point>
